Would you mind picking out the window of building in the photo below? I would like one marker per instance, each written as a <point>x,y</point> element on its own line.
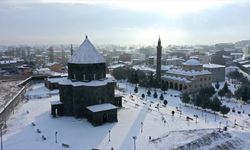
<point>205,79</point>
<point>209,84</point>
<point>200,79</point>
<point>189,85</point>
<point>209,78</point>
<point>205,84</point>
<point>200,85</point>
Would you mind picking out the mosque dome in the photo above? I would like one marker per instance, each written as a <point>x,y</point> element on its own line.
<point>192,62</point>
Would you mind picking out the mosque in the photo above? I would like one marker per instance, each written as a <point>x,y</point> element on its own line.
<point>192,77</point>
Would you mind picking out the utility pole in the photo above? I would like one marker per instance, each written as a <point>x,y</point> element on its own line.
<point>1,136</point>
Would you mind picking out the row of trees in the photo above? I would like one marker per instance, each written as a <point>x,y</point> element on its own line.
<point>203,99</point>
<point>136,77</point>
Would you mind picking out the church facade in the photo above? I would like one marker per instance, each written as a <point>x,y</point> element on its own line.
<point>88,92</point>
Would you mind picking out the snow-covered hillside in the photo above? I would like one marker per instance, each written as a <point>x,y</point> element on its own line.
<point>143,121</point>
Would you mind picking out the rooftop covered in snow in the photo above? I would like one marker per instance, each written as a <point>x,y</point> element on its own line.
<point>213,66</point>
<point>188,73</point>
<point>192,62</point>
<point>101,107</point>
<point>86,54</point>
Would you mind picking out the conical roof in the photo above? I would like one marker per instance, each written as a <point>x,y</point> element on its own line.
<point>86,54</point>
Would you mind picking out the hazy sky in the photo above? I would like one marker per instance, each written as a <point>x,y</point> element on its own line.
<point>123,22</point>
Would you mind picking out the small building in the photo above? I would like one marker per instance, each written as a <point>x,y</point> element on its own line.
<point>236,55</point>
<point>204,59</point>
<point>99,114</point>
<point>231,69</point>
<point>125,57</point>
<point>218,72</point>
<point>9,66</point>
<point>175,61</point>
<point>53,82</point>
<point>220,57</point>
<point>55,66</point>
<point>22,70</point>
<point>42,71</point>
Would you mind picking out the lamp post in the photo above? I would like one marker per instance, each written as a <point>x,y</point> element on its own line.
<point>141,126</point>
<point>56,136</point>
<point>5,125</point>
<point>1,136</point>
<point>205,118</point>
<point>109,135</point>
<point>134,137</point>
<point>202,112</point>
<point>196,116</point>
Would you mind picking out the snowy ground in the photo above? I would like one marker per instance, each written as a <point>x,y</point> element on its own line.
<point>176,133</point>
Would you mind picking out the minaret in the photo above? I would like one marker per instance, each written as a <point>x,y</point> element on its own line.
<point>158,67</point>
<point>71,50</point>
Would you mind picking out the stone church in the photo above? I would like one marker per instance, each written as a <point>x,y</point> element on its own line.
<point>87,92</point>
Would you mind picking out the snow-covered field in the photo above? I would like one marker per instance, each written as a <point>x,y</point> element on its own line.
<point>176,133</point>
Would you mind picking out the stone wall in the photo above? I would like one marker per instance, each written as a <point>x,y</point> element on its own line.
<point>87,71</point>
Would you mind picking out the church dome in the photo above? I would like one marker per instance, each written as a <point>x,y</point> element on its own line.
<point>192,62</point>
<point>86,54</point>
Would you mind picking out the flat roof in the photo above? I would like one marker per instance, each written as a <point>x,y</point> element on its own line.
<point>213,66</point>
<point>56,102</point>
<point>101,107</point>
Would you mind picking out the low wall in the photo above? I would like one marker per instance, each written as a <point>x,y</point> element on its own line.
<point>10,106</point>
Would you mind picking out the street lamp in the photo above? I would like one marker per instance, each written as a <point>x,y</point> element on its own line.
<point>5,125</point>
<point>196,116</point>
<point>109,135</point>
<point>141,126</point>
<point>56,136</point>
<point>134,137</point>
<point>1,136</point>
